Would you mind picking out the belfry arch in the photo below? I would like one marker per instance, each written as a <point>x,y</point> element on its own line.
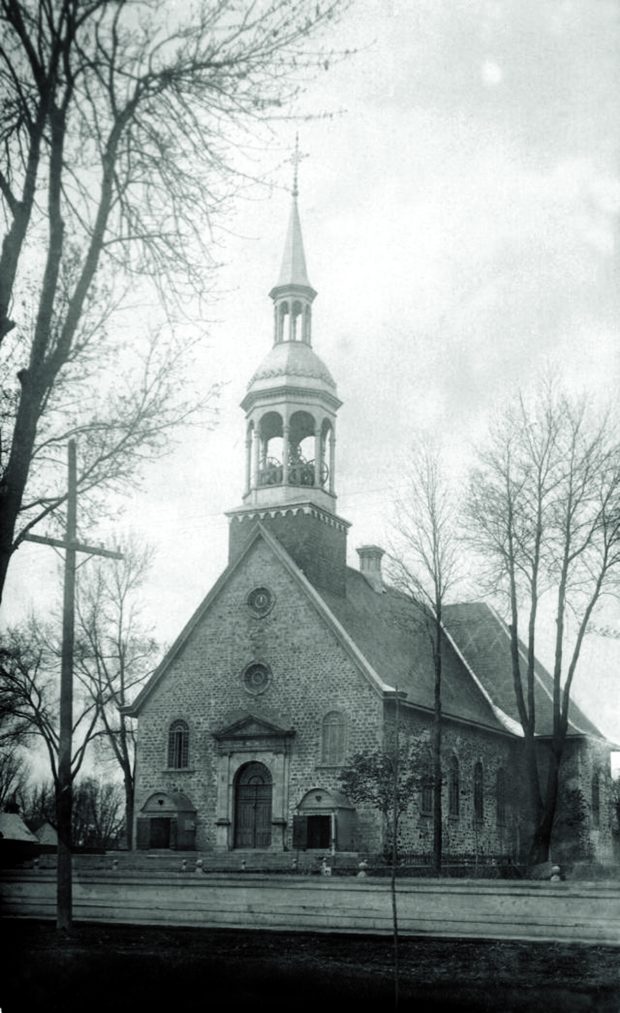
<point>295,450</point>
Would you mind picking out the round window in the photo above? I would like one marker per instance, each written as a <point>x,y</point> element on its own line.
<point>260,601</point>
<point>256,678</point>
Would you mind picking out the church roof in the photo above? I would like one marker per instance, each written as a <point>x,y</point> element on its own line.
<point>291,362</point>
<point>484,640</point>
<point>391,633</point>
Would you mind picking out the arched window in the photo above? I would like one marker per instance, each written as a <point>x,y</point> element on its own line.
<point>178,745</point>
<point>333,738</point>
<point>426,794</point>
<point>596,799</point>
<point>454,788</point>
<point>500,797</point>
<point>478,793</point>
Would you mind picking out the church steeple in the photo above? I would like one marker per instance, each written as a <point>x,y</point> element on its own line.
<point>293,294</point>
<point>290,407</point>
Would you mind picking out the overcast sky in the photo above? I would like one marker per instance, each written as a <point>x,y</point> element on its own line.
<point>460,217</point>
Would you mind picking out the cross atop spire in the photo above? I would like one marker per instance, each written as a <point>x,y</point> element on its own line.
<point>296,158</point>
<point>294,271</point>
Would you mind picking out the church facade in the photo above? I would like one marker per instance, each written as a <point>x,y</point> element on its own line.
<point>294,662</point>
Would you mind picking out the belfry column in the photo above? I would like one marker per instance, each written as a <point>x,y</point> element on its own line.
<point>285,451</point>
<point>317,455</point>
<point>248,461</point>
<point>332,459</point>
<point>255,451</point>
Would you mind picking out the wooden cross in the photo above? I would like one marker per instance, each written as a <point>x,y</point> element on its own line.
<point>69,543</point>
<point>296,158</point>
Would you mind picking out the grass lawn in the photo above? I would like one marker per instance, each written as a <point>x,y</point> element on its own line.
<point>122,968</point>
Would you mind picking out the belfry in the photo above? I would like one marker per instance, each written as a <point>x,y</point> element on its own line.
<point>290,448</point>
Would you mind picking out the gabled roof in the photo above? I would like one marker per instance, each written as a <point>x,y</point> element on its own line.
<point>311,593</point>
<point>391,632</point>
<point>484,640</point>
<point>13,828</point>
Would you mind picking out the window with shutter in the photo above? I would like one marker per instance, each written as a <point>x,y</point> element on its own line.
<point>478,793</point>
<point>500,797</point>
<point>300,833</point>
<point>596,799</point>
<point>333,738</point>
<point>426,795</point>
<point>454,789</point>
<point>178,745</point>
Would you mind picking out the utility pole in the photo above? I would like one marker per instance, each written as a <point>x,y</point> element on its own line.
<point>64,788</point>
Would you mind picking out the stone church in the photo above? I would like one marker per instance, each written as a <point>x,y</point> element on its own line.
<point>294,662</point>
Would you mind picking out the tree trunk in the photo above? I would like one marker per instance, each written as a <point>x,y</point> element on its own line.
<point>437,813</point>
<point>436,742</point>
<point>16,474</point>
<point>129,808</point>
<point>540,850</point>
<point>534,793</point>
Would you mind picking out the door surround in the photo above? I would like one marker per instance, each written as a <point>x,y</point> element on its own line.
<point>251,739</point>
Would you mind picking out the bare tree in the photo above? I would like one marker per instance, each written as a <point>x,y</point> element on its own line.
<point>424,564</point>
<point>29,657</point>
<point>14,773</point>
<point>119,128</point>
<point>96,812</point>
<point>387,780</point>
<point>544,509</point>
<point>115,655</point>
<point>97,816</point>
<point>39,803</point>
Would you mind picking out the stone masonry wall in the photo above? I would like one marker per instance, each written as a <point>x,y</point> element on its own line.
<point>316,542</point>
<point>578,834</point>
<point>462,834</point>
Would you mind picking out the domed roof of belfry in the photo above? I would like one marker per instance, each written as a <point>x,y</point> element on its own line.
<point>292,363</point>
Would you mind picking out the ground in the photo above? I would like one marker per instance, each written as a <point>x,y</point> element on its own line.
<point>126,968</point>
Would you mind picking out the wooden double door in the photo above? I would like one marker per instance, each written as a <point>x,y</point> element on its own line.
<point>253,800</point>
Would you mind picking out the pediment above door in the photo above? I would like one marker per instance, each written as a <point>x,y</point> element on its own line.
<point>252,733</point>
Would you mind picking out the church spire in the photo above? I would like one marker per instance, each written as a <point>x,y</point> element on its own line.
<point>294,270</point>
<point>293,294</point>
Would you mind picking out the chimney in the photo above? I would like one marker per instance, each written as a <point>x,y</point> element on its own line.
<point>370,565</point>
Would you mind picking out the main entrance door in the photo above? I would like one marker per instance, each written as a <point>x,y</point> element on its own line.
<point>253,807</point>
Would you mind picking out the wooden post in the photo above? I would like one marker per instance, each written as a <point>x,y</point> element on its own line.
<point>64,791</point>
